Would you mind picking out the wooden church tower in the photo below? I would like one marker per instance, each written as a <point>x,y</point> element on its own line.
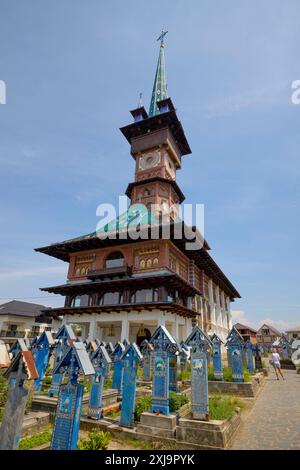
<point>124,288</point>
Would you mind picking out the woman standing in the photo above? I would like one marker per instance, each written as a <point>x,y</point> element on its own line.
<point>275,361</point>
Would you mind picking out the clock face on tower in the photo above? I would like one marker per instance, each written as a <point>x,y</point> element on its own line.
<point>149,160</point>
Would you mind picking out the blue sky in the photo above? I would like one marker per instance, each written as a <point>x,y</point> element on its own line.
<point>73,69</point>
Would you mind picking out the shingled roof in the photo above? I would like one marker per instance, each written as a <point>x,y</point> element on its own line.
<point>19,308</point>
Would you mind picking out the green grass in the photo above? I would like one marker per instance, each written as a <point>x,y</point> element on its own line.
<point>36,440</point>
<point>224,407</point>
<point>227,374</point>
<point>108,384</point>
<point>184,375</point>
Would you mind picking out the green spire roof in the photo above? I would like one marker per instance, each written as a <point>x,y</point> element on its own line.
<point>159,91</point>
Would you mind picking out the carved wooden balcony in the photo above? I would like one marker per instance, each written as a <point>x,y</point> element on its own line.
<point>124,270</point>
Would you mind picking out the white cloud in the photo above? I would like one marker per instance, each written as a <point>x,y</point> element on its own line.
<point>239,316</point>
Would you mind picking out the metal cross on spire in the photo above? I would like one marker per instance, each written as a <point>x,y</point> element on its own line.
<point>161,37</point>
<point>159,91</point>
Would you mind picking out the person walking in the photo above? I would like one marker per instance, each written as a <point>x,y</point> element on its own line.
<point>275,361</point>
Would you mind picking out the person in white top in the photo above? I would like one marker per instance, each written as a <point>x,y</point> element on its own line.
<point>275,361</point>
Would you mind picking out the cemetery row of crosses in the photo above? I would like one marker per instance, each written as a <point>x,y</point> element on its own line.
<point>160,360</point>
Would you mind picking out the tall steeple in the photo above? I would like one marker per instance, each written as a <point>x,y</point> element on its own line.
<point>159,91</point>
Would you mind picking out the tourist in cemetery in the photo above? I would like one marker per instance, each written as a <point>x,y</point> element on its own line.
<point>275,362</point>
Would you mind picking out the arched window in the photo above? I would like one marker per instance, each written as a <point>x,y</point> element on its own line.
<point>142,264</point>
<point>115,260</point>
<point>149,263</point>
<point>155,261</point>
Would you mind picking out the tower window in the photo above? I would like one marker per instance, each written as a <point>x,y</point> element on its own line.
<point>115,260</point>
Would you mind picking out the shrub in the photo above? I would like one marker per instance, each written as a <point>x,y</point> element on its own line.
<point>141,405</point>
<point>48,379</point>
<point>223,407</point>
<point>96,440</point>
<point>177,401</point>
<point>184,375</point>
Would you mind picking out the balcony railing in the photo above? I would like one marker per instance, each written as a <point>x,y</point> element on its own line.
<point>108,272</point>
<point>12,334</point>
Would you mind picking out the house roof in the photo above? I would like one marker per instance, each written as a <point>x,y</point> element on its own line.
<point>271,328</point>
<point>291,330</point>
<point>240,326</point>
<point>19,308</point>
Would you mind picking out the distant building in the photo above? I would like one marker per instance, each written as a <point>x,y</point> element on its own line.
<point>247,332</point>
<point>266,336</point>
<point>24,320</point>
<point>293,333</point>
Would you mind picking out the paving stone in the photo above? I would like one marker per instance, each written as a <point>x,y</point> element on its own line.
<point>274,421</point>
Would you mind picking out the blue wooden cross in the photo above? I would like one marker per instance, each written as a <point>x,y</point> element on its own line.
<point>63,339</point>
<point>217,356</point>
<point>199,342</point>
<point>131,358</point>
<point>118,367</point>
<point>173,373</point>
<point>249,352</point>
<point>101,363</point>
<point>109,348</point>
<point>147,351</point>
<point>235,345</point>
<point>257,357</point>
<point>69,404</point>
<point>21,368</point>
<point>21,344</point>
<point>41,352</point>
<point>164,346</point>
<point>184,355</point>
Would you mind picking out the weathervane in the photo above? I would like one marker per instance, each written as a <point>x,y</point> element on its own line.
<point>161,37</point>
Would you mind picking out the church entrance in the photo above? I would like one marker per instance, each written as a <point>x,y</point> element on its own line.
<point>143,333</point>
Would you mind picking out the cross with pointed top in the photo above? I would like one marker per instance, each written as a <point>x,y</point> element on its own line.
<point>161,37</point>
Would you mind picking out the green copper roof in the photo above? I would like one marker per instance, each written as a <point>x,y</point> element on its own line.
<point>159,91</point>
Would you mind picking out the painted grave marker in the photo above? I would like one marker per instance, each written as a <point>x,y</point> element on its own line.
<point>41,353</point>
<point>118,367</point>
<point>101,363</point>
<point>21,368</point>
<point>147,351</point>
<point>131,358</point>
<point>164,346</point>
<point>217,356</point>
<point>63,339</point>
<point>199,343</point>
<point>69,405</point>
<point>235,345</point>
